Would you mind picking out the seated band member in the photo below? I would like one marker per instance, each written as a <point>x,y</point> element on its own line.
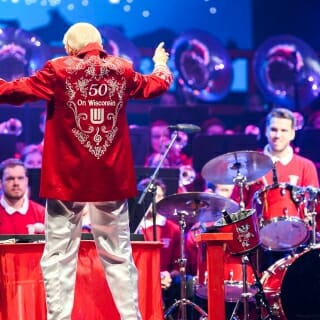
<point>18,214</point>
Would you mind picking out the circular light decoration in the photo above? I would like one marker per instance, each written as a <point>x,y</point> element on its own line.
<point>116,43</point>
<point>287,71</point>
<point>21,53</point>
<point>202,65</point>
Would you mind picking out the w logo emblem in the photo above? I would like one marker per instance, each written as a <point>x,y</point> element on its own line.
<point>97,115</point>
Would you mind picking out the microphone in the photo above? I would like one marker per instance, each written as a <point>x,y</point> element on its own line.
<point>185,127</point>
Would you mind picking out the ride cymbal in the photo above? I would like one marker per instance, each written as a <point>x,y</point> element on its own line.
<point>225,168</point>
<point>196,206</point>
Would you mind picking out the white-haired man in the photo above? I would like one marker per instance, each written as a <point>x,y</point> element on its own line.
<point>87,160</point>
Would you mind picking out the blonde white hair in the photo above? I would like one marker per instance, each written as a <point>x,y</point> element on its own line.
<point>79,35</point>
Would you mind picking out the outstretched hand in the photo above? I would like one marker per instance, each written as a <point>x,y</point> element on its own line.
<point>160,56</point>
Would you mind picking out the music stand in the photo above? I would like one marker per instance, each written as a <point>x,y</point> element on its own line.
<point>169,176</point>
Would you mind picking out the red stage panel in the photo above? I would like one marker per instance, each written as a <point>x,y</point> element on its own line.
<point>22,292</point>
<point>215,255</point>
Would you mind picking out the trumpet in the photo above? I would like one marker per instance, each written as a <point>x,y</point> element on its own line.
<point>187,175</point>
<point>181,141</point>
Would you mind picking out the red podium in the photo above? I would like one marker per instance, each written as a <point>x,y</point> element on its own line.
<point>215,267</point>
<point>22,292</point>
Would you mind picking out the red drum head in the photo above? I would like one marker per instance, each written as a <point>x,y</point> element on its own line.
<point>292,286</point>
<point>281,212</point>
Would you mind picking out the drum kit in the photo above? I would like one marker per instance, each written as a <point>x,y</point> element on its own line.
<point>282,218</point>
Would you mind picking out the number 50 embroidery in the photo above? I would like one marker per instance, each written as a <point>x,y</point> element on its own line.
<point>97,89</point>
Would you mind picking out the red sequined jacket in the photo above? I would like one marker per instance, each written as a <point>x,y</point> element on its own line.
<point>87,153</point>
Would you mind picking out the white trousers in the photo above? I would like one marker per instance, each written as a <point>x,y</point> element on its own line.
<point>110,228</point>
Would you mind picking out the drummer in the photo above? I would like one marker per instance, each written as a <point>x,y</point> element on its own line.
<point>289,167</point>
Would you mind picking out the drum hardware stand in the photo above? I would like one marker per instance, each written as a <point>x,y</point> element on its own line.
<point>183,302</point>
<point>260,296</point>
<point>240,181</point>
<point>313,230</point>
<point>245,295</point>
<point>313,199</point>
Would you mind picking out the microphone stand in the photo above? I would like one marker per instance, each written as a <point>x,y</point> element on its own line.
<point>151,185</point>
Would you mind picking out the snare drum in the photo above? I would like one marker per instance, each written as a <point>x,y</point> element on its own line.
<point>281,214</point>
<point>245,230</point>
<point>291,286</point>
<point>233,280</point>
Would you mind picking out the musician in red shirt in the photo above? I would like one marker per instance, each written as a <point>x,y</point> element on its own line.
<point>87,159</point>
<point>18,214</point>
<point>289,167</point>
<point>278,195</point>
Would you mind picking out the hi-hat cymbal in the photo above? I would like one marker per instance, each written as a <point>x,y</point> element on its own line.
<point>225,168</point>
<point>196,206</point>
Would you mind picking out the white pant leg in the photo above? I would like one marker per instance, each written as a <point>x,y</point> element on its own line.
<point>110,228</point>
<point>59,259</point>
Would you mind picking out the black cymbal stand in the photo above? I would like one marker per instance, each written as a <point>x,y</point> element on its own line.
<point>240,180</point>
<point>183,302</point>
<point>260,296</point>
<point>311,206</point>
<point>245,295</point>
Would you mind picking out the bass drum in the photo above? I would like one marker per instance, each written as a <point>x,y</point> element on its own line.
<point>291,286</point>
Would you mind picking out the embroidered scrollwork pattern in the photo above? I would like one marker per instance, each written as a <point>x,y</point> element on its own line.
<point>95,98</point>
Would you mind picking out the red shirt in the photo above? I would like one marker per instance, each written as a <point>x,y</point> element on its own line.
<point>192,250</point>
<point>87,153</point>
<point>16,223</point>
<point>168,234</point>
<point>298,168</point>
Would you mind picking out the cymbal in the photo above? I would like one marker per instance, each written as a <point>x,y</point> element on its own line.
<point>196,206</point>
<point>224,169</point>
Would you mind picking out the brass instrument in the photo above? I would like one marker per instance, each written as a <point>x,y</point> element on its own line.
<point>287,72</point>
<point>116,43</point>
<point>202,66</point>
